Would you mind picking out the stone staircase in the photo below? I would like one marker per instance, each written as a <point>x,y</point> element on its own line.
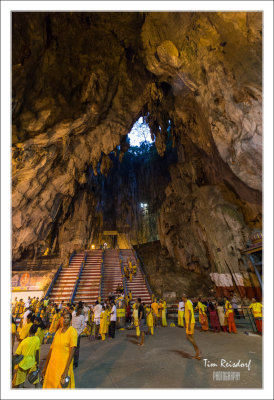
<point>112,272</point>
<point>89,284</point>
<point>138,286</point>
<point>63,287</point>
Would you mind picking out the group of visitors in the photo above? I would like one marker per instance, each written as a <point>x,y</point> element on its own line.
<point>221,314</point>
<point>68,324</point>
<point>38,320</point>
<point>129,269</point>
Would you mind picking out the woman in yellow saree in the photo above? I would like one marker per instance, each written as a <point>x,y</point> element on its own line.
<point>59,362</point>
<point>104,323</point>
<point>163,307</point>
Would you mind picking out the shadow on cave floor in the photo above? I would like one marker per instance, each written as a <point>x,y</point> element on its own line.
<point>181,353</point>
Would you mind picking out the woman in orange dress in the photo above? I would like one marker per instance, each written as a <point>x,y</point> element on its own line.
<point>59,361</point>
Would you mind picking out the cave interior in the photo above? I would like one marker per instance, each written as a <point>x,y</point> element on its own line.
<point>189,200</point>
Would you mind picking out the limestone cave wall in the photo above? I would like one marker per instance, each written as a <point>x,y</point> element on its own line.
<point>80,81</point>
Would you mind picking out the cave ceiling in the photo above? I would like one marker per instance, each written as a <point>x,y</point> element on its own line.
<point>80,80</point>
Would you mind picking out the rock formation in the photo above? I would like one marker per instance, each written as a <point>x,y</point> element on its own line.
<point>81,80</point>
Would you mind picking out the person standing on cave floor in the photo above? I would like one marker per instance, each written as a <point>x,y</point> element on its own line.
<point>181,311</point>
<point>202,315</point>
<point>221,315</point>
<point>141,320</point>
<point>155,308</point>
<point>29,348</point>
<point>190,324</point>
<point>78,323</point>
<point>214,320</point>
<point>59,362</point>
<point>230,317</point>
<point>256,308</point>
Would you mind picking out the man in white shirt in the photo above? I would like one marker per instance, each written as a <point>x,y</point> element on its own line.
<point>97,312</point>
<point>78,322</point>
<point>112,320</point>
<point>27,303</point>
<point>181,311</point>
<point>85,312</point>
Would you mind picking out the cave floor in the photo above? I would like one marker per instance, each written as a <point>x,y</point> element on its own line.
<point>164,360</point>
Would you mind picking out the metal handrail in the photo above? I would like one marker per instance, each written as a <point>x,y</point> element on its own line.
<point>72,255</point>
<point>142,271</point>
<point>247,313</point>
<point>78,278</point>
<point>100,292</point>
<point>54,280</point>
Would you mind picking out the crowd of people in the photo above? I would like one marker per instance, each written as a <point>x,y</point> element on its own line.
<point>130,269</point>
<point>38,321</point>
<point>221,314</point>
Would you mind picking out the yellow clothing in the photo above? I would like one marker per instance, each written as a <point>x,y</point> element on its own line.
<point>60,349</point>
<point>17,307</point>
<point>164,322</point>
<point>135,319</point>
<point>130,296</point>
<point>40,333</point>
<point>13,328</point>
<point>51,314</point>
<point>149,317</point>
<point>25,330</point>
<point>181,318</point>
<point>155,308</point>
<point>149,320</point>
<point>103,324</point>
<point>188,311</point>
<point>54,323</point>
<point>227,305</point>
<point>160,307</point>
<point>27,348</point>
<point>21,307</point>
<point>229,311</point>
<point>228,308</point>
<point>201,308</point>
<point>190,330</point>
<point>256,309</point>
<point>38,305</point>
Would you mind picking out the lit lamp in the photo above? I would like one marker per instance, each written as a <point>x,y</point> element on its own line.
<point>93,246</point>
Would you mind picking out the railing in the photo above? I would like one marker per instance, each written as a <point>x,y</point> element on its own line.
<point>54,280</point>
<point>142,271</point>
<point>78,278</point>
<point>100,292</point>
<point>74,290</point>
<point>122,272</point>
<point>248,315</point>
<point>47,263</point>
<point>71,257</point>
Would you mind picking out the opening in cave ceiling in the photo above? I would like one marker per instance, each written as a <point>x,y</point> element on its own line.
<point>140,133</point>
